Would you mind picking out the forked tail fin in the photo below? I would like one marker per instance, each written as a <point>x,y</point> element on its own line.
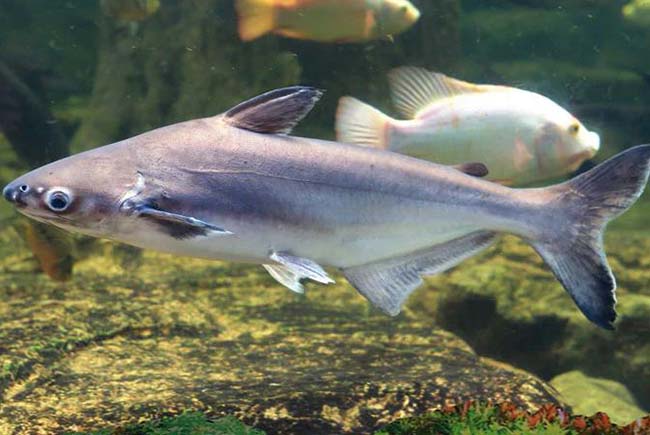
<point>359,123</point>
<point>588,202</point>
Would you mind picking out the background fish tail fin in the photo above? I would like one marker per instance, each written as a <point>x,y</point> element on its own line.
<point>255,18</point>
<point>591,200</point>
<point>359,123</point>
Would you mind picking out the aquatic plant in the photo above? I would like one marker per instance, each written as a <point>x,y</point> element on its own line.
<point>468,418</point>
<point>188,423</point>
<point>502,419</point>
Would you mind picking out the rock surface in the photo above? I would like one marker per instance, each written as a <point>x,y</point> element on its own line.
<point>508,306</point>
<point>109,348</point>
<point>590,395</point>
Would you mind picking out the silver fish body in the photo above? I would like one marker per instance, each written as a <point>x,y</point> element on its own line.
<point>235,187</point>
<point>338,204</point>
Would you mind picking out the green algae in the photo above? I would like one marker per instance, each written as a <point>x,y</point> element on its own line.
<point>470,418</point>
<point>188,423</point>
<point>477,421</point>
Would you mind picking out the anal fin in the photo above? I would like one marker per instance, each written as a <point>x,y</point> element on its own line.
<point>289,270</point>
<point>387,283</point>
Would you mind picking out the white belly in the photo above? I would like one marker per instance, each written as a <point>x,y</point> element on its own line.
<point>345,247</point>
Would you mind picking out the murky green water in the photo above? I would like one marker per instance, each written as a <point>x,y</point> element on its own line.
<point>124,335</point>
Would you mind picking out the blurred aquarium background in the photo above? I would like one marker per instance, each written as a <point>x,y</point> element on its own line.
<point>95,335</point>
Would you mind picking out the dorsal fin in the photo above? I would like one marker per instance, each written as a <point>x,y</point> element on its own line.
<point>413,88</point>
<point>475,169</point>
<point>274,112</point>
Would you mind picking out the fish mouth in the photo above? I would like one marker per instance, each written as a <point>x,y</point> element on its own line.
<point>14,195</point>
<point>593,143</point>
<point>44,218</point>
<point>576,160</point>
<point>412,14</point>
<point>19,204</point>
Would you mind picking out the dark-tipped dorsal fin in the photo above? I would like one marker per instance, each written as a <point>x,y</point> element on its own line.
<point>276,111</point>
<point>474,169</point>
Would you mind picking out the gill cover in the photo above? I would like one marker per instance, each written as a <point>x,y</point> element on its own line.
<point>153,206</point>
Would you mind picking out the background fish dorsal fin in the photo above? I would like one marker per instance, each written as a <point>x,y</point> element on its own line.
<point>277,111</point>
<point>413,88</point>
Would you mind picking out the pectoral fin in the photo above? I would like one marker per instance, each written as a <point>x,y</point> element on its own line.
<point>274,112</point>
<point>521,156</point>
<point>475,169</point>
<point>387,283</point>
<point>146,202</point>
<point>176,225</point>
<point>285,276</point>
<point>289,271</point>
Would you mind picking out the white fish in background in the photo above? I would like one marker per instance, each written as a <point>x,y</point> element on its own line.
<point>523,137</point>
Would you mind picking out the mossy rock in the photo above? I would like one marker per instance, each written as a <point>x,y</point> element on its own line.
<point>110,348</point>
<point>588,396</point>
<point>508,306</point>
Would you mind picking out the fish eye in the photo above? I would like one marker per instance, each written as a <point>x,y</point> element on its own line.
<point>403,9</point>
<point>23,188</point>
<point>58,200</point>
<point>574,128</point>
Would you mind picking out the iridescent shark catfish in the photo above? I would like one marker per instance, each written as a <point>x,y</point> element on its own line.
<point>237,187</point>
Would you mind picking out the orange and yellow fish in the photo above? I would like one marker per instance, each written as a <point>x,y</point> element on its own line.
<point>130,10</point>
<point>325,20</point>
<point>52,248</point>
